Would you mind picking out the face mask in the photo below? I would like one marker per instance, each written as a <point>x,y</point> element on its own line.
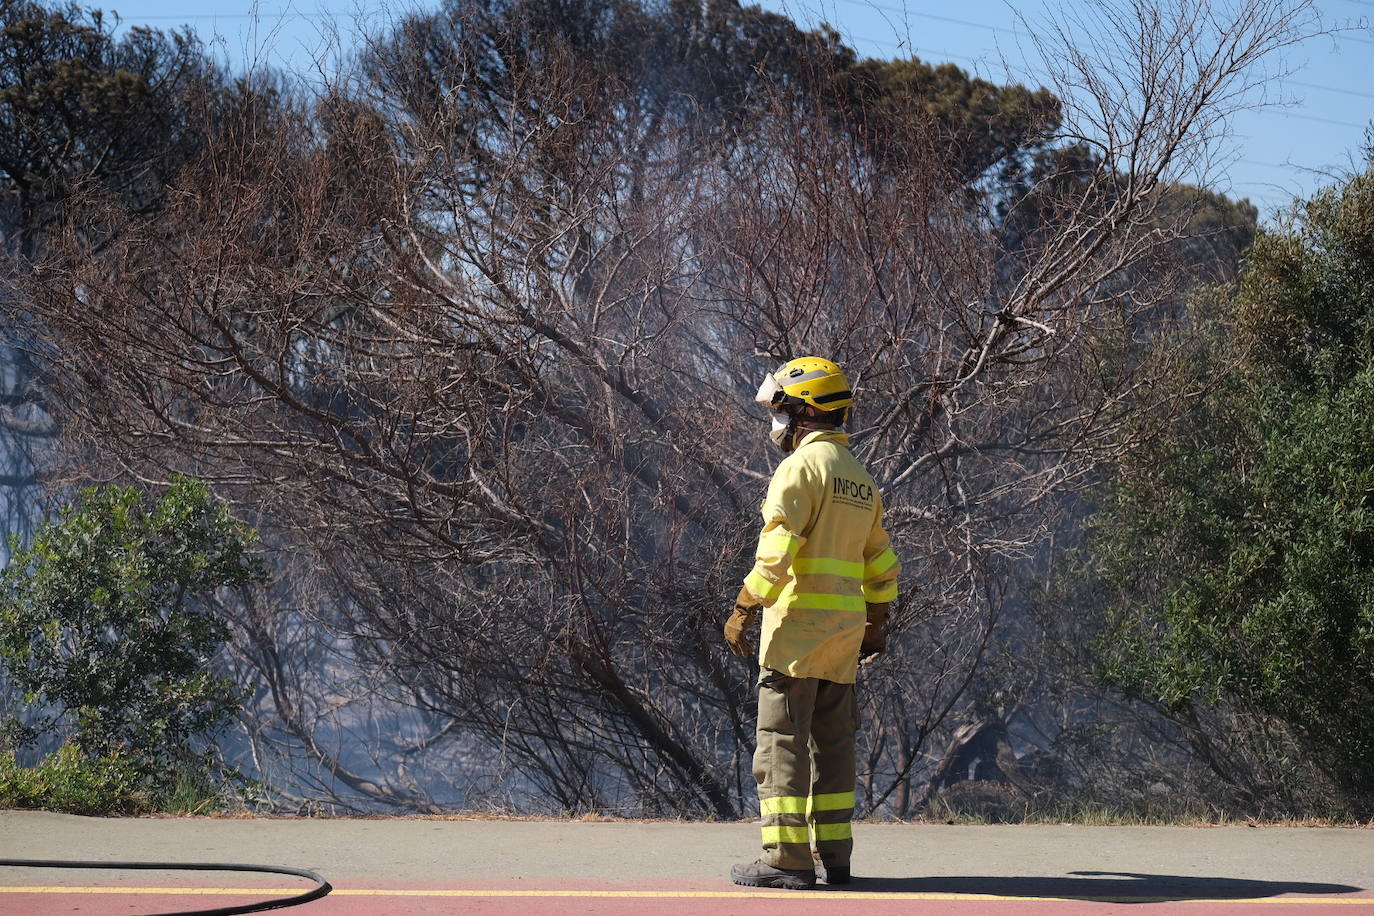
<point>780,433</point>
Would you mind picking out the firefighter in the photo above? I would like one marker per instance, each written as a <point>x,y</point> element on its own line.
<point>823,578</point>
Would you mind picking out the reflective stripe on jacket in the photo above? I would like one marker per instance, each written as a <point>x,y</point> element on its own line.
<point>821,556</point>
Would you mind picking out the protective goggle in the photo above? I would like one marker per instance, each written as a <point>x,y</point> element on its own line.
<point>770,392</point>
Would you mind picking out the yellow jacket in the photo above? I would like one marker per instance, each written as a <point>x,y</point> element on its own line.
<point>821,556</point>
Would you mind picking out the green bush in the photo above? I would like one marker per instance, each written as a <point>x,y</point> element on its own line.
<point>70,782</point>
<point>108,626</point>
<point>1231,565</point>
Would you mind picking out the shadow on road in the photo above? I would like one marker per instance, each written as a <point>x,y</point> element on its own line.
<point>1123,887</point>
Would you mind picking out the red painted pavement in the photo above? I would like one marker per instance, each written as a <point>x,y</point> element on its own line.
<point>802,903</point>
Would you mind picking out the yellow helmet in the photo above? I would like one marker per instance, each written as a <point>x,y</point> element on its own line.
<point>807,380</point>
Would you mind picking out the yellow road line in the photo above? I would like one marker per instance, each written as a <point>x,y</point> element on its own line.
<point>666,894</point>
<point>106,889</point>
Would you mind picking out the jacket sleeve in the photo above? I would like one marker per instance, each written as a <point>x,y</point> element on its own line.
<point>787,515</point>
<point>880,563</point>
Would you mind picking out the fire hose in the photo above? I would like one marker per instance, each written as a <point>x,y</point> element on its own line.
<point>321,886</point>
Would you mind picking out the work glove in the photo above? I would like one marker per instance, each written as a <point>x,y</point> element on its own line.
<point>747,607</point>
<point>875,633</point>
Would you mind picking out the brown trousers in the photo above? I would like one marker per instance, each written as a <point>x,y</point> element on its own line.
<point>804,766</point>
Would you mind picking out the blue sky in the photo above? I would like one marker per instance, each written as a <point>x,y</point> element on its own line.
<point>1273,154</point>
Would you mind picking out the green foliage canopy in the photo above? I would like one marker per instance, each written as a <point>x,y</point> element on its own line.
<point>707,66</point>
<point>978,124</point>
<point>102,620</point>
<point>81,110</point>
<point>1234,559</point>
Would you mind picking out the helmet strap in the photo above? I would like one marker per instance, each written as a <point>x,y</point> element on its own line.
<point>784,435</point>
<point>811,418</point>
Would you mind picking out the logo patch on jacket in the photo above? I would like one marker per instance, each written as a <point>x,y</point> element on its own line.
<point>852,493</point>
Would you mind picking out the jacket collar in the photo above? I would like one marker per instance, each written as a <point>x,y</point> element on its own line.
<point>837,436</point>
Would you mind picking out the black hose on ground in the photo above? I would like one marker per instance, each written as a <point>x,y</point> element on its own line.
<point>321,886</point>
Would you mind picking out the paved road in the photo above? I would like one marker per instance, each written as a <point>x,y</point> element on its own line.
<point>426,867</point>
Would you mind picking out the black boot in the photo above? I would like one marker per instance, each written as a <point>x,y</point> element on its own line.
<point>837,874</point>
<point>759,874</point>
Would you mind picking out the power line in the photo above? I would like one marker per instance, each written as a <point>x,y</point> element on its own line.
<point>186,16</point>
<point>904,45</point>
<point>1363,95</point>
<point>909,13</point>
<point>1274,165</point>
<point>1294,114</point>
<point>863,3</point>
<point>1287,114</point>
